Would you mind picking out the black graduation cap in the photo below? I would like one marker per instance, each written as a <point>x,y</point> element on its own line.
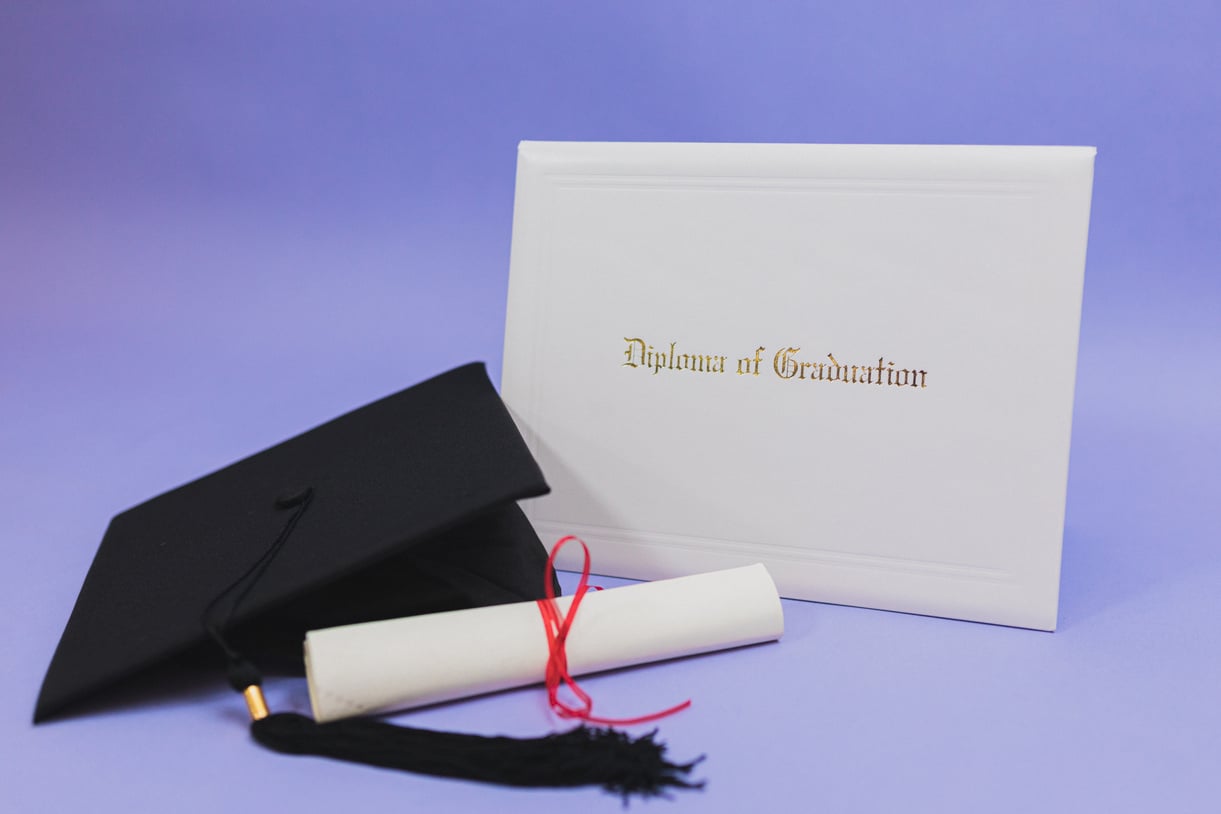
<point>404,506</point>
<point>412,510</point>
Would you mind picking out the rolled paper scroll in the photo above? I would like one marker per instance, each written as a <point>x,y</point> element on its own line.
<point>378,667</point>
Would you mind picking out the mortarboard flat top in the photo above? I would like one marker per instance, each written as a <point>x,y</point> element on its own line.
<point>412,510</point>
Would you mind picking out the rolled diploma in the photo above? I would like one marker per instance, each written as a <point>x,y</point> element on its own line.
<point>396,664</point>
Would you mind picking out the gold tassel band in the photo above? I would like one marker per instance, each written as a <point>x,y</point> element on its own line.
<point>255,702</point>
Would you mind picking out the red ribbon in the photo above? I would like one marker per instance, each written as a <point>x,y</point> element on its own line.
<point>557,626</point>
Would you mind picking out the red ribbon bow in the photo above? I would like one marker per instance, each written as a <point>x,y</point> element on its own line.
<point>557,626</point>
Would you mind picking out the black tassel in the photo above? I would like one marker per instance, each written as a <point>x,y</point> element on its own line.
<point>583,756</point>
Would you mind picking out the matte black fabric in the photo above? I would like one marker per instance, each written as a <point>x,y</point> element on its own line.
<point>412,511</point>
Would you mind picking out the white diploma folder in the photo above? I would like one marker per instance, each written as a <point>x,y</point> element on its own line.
<point>853,363</point>
<point>379,667</point>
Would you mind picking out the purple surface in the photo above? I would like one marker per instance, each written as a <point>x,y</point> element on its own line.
<point>222,223</point>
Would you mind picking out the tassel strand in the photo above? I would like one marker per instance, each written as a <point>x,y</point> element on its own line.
<point>582,756</point>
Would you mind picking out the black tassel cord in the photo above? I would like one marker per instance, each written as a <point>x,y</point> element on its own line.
<point>582,756</point>
<point>579,757</point>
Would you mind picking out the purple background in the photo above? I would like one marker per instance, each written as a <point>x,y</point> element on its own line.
<point>222,223</point>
